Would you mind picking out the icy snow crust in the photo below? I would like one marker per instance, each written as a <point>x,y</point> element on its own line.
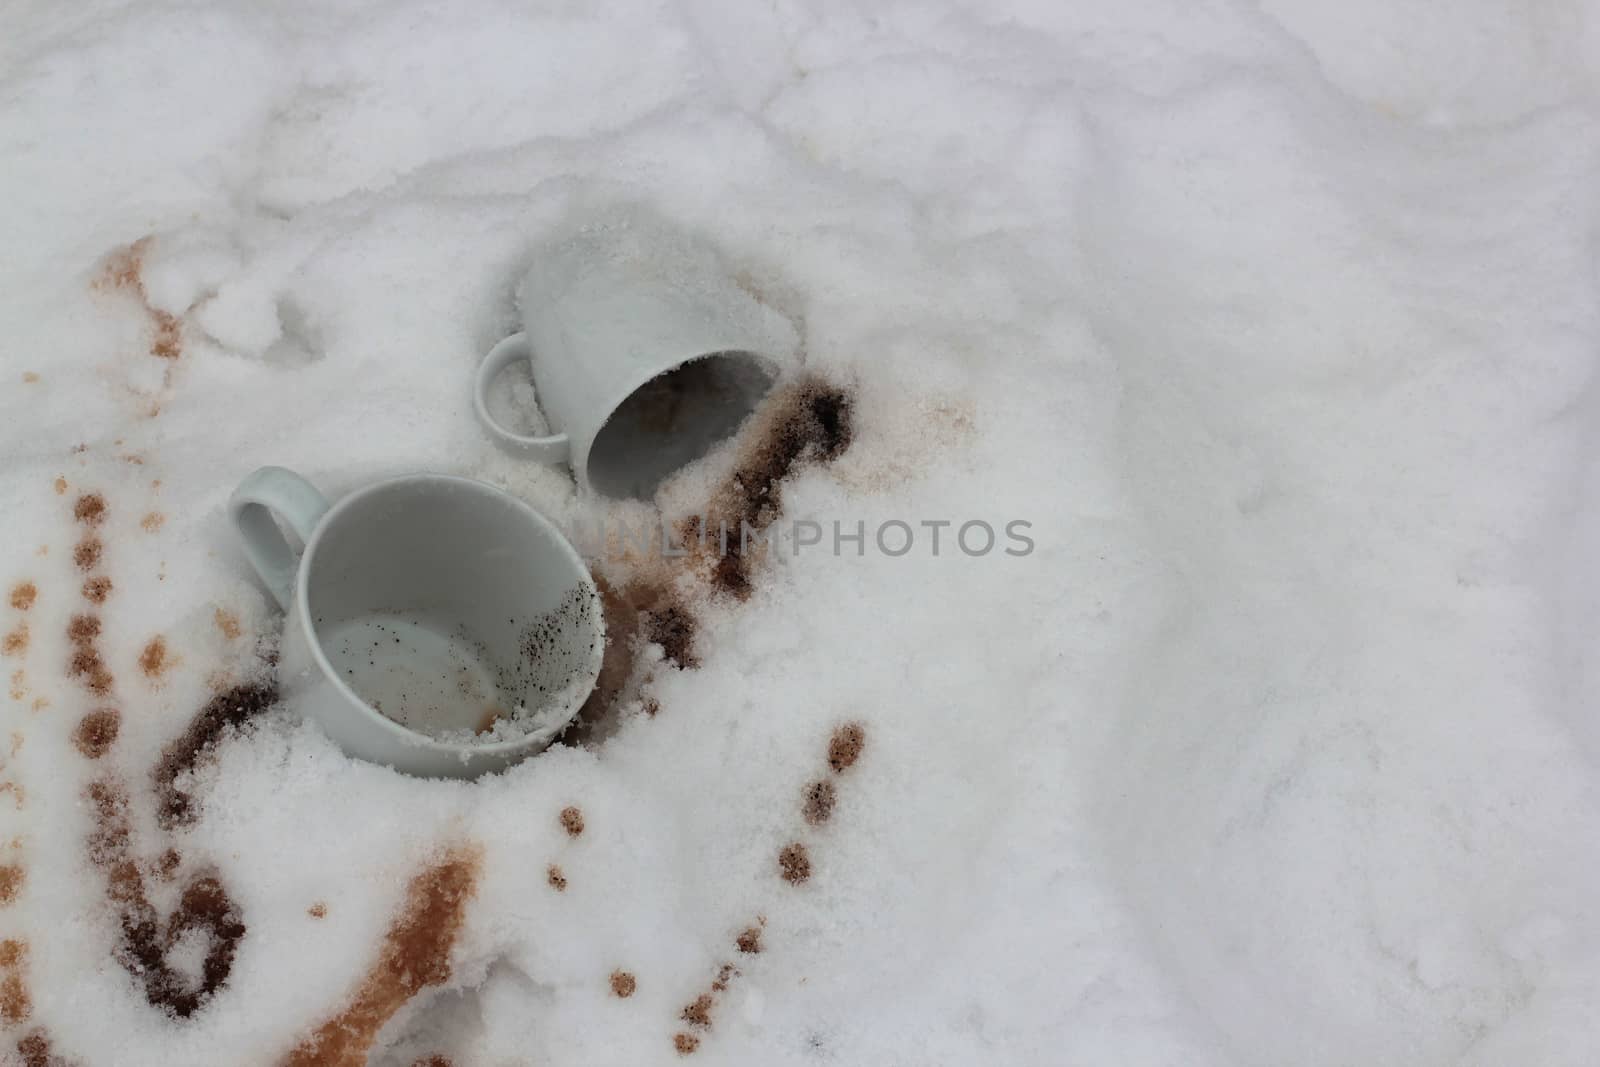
<point>1278,324</point>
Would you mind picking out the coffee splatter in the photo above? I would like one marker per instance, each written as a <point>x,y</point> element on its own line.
<point>572,821</point>
<point>96,589</point>
<point>794,863</point>
<point>12,876</point>
<point>685,1043</point>
<point>844,748</point>
<point>749,941</point>
<point>556,878</point>
<point>670,625</point>
<point>35,1050</point>
<point>15,1004</point>
<point>415,955</point>
<point>153,658</point>
<point>820,797</point>
<point>87,665</point>
<point>123,271</point>
<point>204,908</point>
<point>809,422</point>
<point>319,910</point>
<point>166,865</point>
<point>698,1012</point>
<point>228,624</point>
<point>83,629</point>
<point>16,641</point>
<point>435,1060</point>
<point>152,521</point>
<point>623,984</point>
<point>86,554</point>
<point>61,486</point>
<point>23,595</point>
<point>635,612</point>
<point>97,732</point>
<point>230,709</point>
<point>90,509</point>
<point>724,976</point>
<point>167,341</point>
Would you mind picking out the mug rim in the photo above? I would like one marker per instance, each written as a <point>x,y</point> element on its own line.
<point>772,366</point>
<point>302,607</point>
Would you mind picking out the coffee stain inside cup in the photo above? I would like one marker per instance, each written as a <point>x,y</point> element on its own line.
<point>449,685</point>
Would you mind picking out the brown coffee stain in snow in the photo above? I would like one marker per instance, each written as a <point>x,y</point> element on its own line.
<point>415,955</point>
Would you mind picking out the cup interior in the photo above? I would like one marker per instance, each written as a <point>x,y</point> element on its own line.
<point>673,419</point>
<point>447,606</point>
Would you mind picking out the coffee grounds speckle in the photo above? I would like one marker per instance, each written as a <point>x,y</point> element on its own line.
<point>86,554</point>
<point>844,748</point>
<point>750,941</point>
<point>820,797</point>
<point>230,709</point>
<point>82,629</point>
<point>623,984</point>
<point>90,509</point>
<point>97,732</point>
<point>23,595</point>
<point>685,1043</point>
<point>96,589</point>
<point>572,821</point>
<point>319,910</point>
<point>794,863</point>
<point>698,1012</point>
<point>557,879</point>
<point>435,1060</point>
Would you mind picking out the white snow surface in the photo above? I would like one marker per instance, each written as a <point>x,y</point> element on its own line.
<point>1277,321</point>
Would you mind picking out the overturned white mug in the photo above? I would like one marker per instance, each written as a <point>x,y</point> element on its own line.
<point>644,354</point>
<point>435,624</point>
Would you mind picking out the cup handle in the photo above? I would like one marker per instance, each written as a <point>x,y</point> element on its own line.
<point>552,449</point>
<point>267,492</point>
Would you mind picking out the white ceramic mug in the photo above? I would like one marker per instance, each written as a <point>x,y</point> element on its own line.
<point>644,354</point>
<point>435,624</point>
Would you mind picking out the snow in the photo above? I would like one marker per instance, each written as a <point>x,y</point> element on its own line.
<point>1277,322</point>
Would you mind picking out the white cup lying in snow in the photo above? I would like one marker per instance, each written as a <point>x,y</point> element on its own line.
<point>436,624</point>
<point>643,351</point>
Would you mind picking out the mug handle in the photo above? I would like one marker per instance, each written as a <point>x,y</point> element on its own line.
<point>554,448</point>
<point>267,492</point>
